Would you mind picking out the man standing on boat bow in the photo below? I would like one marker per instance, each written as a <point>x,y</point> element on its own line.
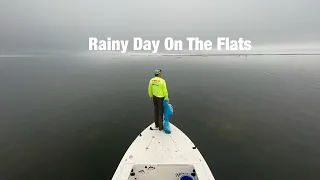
<point>157,91</point>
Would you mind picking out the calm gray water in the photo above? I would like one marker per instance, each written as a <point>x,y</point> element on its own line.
<point>73,118</point>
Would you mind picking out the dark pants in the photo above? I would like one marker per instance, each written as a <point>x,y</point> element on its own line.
<point>158,112</point>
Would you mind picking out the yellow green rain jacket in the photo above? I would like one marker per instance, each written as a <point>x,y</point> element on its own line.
<point>157,87</point>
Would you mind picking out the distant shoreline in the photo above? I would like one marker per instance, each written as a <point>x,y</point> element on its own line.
<point>172,55</point>
<point>254,54</point>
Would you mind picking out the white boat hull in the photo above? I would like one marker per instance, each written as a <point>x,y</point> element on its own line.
<point>154,155</point>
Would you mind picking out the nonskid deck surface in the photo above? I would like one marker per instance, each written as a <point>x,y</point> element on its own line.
<point>154,154</point>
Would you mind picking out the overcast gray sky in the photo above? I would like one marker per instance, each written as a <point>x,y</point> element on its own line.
<point>55,25</point>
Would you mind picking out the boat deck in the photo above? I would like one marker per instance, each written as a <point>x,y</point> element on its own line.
<point>167,156</point>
